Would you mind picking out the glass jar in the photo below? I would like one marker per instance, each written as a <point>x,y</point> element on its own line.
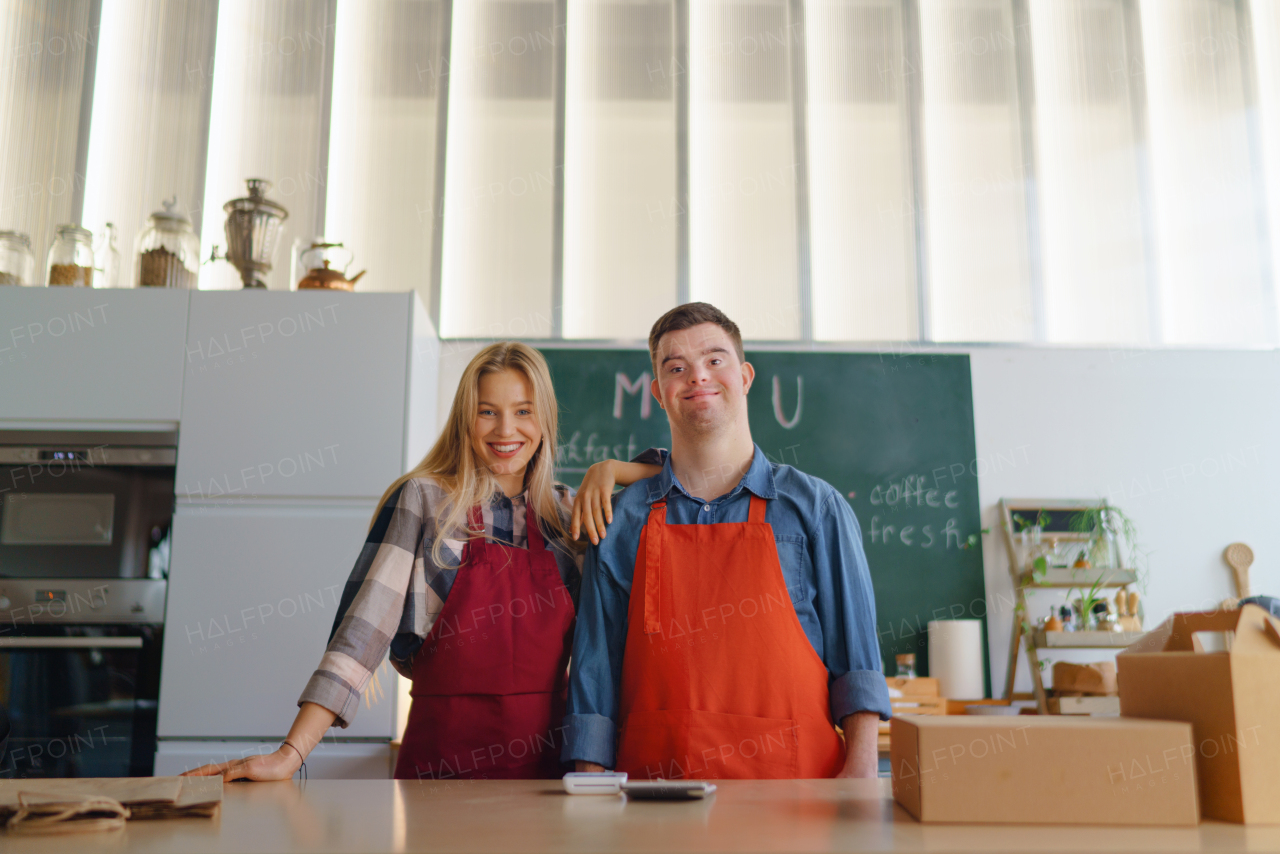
<point>906,665</point>
<point>70,260</point>
<point>106,273</point>
<point>17,264</point>
<point>167,251</point>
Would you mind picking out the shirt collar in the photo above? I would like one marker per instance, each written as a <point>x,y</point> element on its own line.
<point>515,500</point>
<point>758,479</point>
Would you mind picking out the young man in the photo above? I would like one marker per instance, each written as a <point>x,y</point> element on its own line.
<point>727,621</point>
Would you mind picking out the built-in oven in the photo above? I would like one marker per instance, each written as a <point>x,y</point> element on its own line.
<point>85,523</point>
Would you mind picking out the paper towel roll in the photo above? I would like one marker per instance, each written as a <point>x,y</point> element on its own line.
<point>955,658</point>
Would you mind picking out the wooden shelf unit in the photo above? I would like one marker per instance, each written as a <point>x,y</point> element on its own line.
<point>1082,640</point>
<point>920,696</point>
<point>1103,705</point>
<point>1055,578</point>
<point>1059,577</point>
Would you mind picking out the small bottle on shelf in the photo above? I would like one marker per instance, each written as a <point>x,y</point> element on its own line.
<point>106,257</point>
<point>1053,623</point>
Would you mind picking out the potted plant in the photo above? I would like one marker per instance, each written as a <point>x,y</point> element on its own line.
<point>1086,605</point>
<point>1113,537</point>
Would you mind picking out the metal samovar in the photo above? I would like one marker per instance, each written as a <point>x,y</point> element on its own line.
<point>253,230</point>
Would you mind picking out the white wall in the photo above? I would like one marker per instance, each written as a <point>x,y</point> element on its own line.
<point>1179,440</point>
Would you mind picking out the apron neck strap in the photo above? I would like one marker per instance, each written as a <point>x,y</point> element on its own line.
<point>758,505</point>
<point>535,541</point>
<point>658,512</point>
<point>652,566</point>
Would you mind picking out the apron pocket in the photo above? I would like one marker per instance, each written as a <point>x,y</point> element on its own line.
<point>689,744</point>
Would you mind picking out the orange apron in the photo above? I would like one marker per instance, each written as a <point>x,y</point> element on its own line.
<point>719,680</point>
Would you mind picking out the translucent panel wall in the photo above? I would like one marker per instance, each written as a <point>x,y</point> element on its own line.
<point>267,121</point>
<point>742,165</point>
<point>388,73</point>
<point>150,116</point>
<point>975,200</point>
<point>620,207</point>
<point>1211,275</point>
<point>1087,165</point>
<point>1266,52</point>
<point>42,71</point>
<point>862,212</point>
<point>500,177</point>
<point>1092,172</point>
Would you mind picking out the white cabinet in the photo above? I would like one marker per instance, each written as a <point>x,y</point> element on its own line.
<point>328,761</point>
<point>294,394</point>
<point>253,591</point>
<point>81,354</point>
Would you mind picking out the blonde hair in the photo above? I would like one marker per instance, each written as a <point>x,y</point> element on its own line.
<point>452,461</point>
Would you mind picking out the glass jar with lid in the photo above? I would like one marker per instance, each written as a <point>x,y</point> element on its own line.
<point>17,264</point>
<point>167,251</point>
<point>70,259</point>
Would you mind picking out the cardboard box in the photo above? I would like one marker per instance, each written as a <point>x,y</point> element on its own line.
<point>1231,699</point>
<point>1096,678</point>
<point>1044,770</point>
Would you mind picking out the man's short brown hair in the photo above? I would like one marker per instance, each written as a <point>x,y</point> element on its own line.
<point>689,315</point>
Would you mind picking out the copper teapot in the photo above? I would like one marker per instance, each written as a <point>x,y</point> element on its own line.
<point>320,275</point>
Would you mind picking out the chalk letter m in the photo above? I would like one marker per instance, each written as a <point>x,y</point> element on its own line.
<point>640,387</point>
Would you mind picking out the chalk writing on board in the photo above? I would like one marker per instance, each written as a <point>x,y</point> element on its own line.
<point>623,386</point>
<point>576,455</point>
<point>925,537</point>
<point>911,491</point>
<point>787,423</point>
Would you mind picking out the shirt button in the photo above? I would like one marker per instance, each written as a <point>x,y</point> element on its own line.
<point>706,507</point>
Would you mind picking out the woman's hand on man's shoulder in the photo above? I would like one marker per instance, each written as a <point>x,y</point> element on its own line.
<point>592,507</point>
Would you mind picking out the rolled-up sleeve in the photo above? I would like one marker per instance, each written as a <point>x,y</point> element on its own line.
<point>595,674</point>
<point>847,613</point>
<point>371,607</point>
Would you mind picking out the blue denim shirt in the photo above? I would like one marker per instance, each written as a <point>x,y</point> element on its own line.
<point>820,551</point>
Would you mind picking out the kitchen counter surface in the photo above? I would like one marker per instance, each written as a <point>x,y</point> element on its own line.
<point>520,816</point>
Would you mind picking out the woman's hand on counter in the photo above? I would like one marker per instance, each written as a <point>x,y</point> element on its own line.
<point>308,728</point>
<point>281,765</point>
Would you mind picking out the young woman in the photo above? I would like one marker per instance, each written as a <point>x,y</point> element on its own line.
<point>470,577</point>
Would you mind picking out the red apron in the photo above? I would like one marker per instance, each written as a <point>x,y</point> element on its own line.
<point>490,681</point>
<point>719,680</point>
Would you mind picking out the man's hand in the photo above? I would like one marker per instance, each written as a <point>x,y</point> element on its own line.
<point>590,767</point>
<point>862,759</point>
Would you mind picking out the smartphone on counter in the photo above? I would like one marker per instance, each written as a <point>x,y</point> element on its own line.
<point>669,790</point>
<point>594,782</point>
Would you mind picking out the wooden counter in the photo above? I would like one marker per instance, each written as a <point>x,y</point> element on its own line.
<point>772,816</point>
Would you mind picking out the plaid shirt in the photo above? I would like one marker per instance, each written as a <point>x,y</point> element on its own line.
<point>396,590</point>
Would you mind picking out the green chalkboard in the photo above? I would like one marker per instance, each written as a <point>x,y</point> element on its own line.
<point>893,433</point>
